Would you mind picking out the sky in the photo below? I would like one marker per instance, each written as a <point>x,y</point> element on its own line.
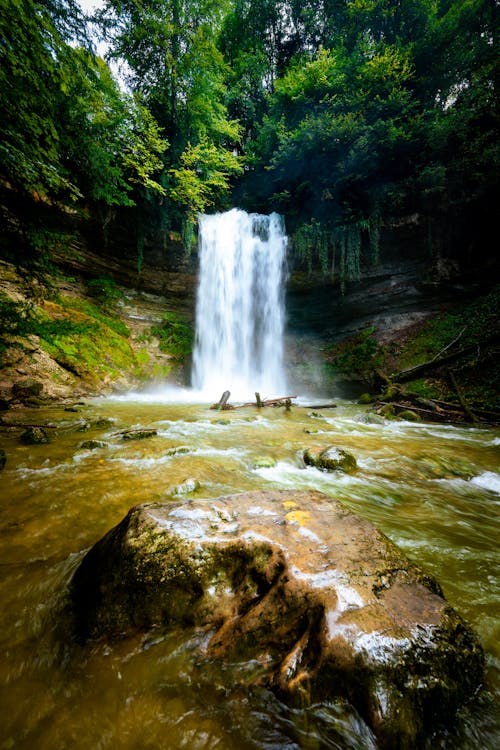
<point>89,6</point>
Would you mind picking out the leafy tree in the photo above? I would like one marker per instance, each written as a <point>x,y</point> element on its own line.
<point>30,79</point>
<point>381,108</point>
<point>178,73</point>
<point>109,141</point>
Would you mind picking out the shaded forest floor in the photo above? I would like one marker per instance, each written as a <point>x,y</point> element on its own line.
<point>451,359</point>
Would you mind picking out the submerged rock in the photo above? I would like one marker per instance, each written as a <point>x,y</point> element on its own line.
<point>186,487</point>
<point>34,436</point>
<point>323,601</point>
<point>92,445</point>
<point>264,462</point>
<point>330,459</point>
<point>138,434</point>
<point>367,417</point>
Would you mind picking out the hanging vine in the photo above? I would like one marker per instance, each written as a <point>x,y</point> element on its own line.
<point>140,251</point>
<point>188,234</point>
<point>338,249</point>
<point>374,236</point>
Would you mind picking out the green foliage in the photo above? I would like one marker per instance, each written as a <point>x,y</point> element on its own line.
<point>106,291</point>
<point>176,336</point>
<point>93,312</point>
<point>203,176</point>
<point>358,356</point>
<point>472,324</point>
<point>341,115</point>
<point>374,109</point>
<point>23,319</point>
<point>178,73</point>
<point>16,319</point>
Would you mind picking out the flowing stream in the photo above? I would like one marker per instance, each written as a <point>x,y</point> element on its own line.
<point>433,489</point>
<point>239,311</point>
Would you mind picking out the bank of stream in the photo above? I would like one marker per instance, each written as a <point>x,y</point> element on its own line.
<point>433,489</point>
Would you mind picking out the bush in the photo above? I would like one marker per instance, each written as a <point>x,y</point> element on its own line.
<point>175,334</point>
<point>358,356</point>
<point>105,290</point>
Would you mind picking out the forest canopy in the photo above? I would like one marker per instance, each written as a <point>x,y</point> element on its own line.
<point>340,114</point>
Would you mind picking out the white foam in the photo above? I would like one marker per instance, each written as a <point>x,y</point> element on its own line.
<point>488,480</point>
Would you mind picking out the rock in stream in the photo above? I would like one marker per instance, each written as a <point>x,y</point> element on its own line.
<point>324,601</point>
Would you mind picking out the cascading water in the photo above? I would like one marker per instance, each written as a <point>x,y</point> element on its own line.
<point>240,305</point>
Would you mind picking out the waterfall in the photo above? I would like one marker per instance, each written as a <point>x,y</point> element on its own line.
<point>240,305</point>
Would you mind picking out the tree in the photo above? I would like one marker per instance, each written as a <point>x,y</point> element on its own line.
<point>30,79</point>
<point>178,73</point>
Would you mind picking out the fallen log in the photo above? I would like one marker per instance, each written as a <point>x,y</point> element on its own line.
<point>27,426</point>
<point>452,417</point>
<point>281,401</point>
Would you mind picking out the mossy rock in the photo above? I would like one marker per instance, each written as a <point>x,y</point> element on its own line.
<point>366,398</point>
<point>388,411</point>
<point>330,458</point>
<point>409,416</point>
<point>3,459</point>
<point>34,436</point>
<point>102,423</point>
<point>92,445</point>
<point>264,462</point>
<point>179,450</point>
<point>139,434</point>
<point>392,393</point>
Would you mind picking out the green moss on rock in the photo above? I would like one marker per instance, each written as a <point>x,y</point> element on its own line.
<point>330,458</point>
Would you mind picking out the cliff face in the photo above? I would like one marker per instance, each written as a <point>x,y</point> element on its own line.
<point>391,299</point>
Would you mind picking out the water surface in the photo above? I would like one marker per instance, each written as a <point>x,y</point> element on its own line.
<point>433,489</point>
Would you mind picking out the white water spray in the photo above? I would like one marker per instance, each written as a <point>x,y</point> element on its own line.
<point>240,306</point>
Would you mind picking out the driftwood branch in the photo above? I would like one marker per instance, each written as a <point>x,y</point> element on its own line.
<point>23,425</point>
<point>462,399</point>
<point>448,346</point>
<point>281,401</point>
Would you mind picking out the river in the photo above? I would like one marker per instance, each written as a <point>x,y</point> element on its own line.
<point>433,489</point>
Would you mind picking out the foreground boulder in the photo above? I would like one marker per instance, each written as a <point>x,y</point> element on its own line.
<point>328,606</point>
